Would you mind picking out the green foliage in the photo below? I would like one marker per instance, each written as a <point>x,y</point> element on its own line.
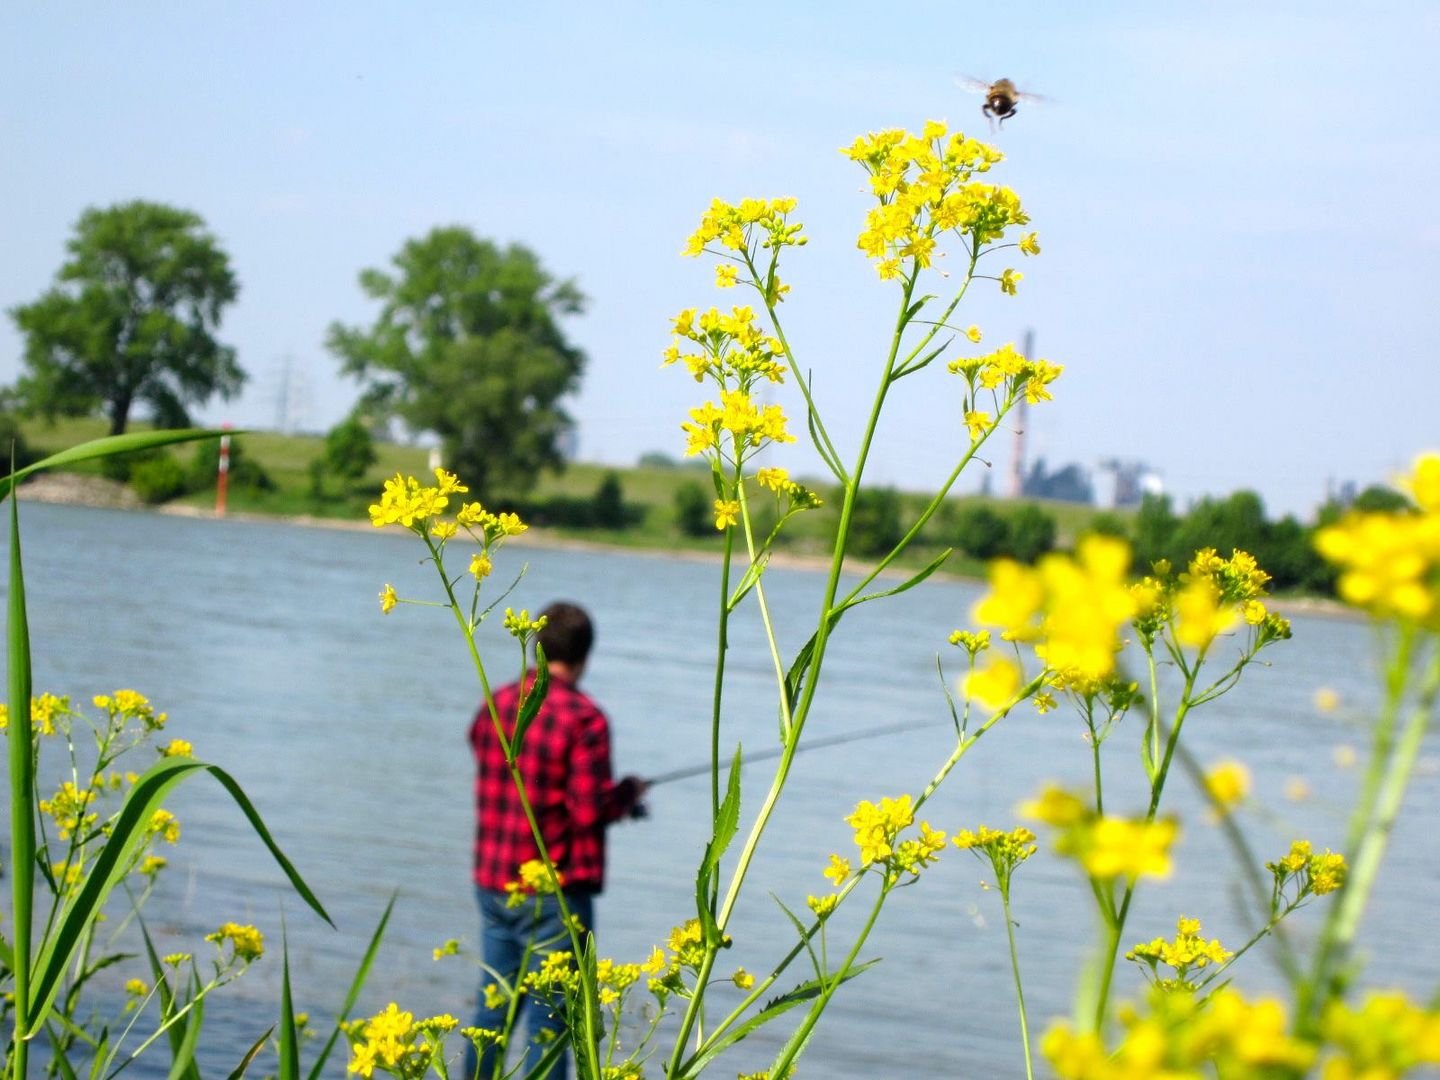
<point>693,513</point>
<point>980,532</point>
<point>131,320</point>
<point>1380,499</point>
<point>1108,524</point>
<point>875,521</point>
<point>245,472</point>
<point>350,449</point>
<point>1032,533</point>
<point>468,345</point>
<point>159,478</point>
<point>13,441</point>
<point>1155,525</point>
<point>608,506</point>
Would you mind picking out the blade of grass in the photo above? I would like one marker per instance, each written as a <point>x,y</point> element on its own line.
<point>362,973</point>
<point>110,446</point>
<point>127,833</point>
<point>22,797</point>
<point>251,1055</point>
<point>289,1034</point>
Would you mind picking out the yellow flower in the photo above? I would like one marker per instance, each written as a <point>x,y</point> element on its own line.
<point>978,424</point>
<point>1120,847</point>
<point>725,275</point>
<point>973,333</point>
<point>247,942</point>
<point>1326,700</point>
<point>163,824</point>
<point>480,566</point>
<point>1200,615</point>
<point>1227,784</point>
<point>451,947</point>
<point>727,512</point>
<point>838,870</point>
<point>444,530</point>
<point>743,979</point>
<point>775,479</point>
<point>996,684</point>
<point>1008,280</point>
<point>1030,244</point>
<point>137,987</point>
<point>388,599</point>
<point>176,748</point>
<point>822,906</point>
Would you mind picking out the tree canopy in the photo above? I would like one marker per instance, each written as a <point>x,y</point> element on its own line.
<point>468,345</point>
<point>131,319</point>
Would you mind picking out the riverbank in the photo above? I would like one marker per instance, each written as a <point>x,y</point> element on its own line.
<point>83,490</point>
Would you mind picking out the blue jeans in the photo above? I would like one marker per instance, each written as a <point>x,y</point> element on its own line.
<point>505,933</point>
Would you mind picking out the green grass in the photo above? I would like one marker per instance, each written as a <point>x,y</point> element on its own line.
<point>650,490</point>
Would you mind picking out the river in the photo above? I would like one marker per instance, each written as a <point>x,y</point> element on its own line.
<point>265,644</point>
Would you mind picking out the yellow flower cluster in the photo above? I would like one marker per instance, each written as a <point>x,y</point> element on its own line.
<point>1211,597</point>
<point>1385,1037</point>
<point>1227,784</point>
<point>131,705</point>
<point>1390,561</point>
<point>1005,373</point>
<point>44,712</point>
<point>1189,952</point>
<point>1003,850</point>
<point>778,480</point>
<point>535,880</point>
<point>733,347</point>
<point>393,1041</point>
<point>877,835</point>
<point>1302,872</point>
<point>412,505</point>
<point>555,976</point>
<point>972,641</point>
<point>177,748</point>
<point>1071,608</point>
<point>1106,846</point>
<point>67,807</point>
<point>247,942</point>
<point>925,188</point>
<point>521,625</point>
<point>164,825</point>
<point>1184,1038</point>
<point>747,229</point>
<point>749,425</point>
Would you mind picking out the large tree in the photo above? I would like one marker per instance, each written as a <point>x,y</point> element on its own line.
<point>468,346</point>
<point>131,320</point>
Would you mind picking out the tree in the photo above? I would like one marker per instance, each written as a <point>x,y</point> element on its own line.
<point>468,345</point>
<point>349,449</point>
<point>875,521</point>
<point>1032,533</point>
<point>608,505</point>
<point>131,320</point>
<point>980,532</point>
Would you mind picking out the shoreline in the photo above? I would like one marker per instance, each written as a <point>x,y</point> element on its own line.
<point>73,489</point>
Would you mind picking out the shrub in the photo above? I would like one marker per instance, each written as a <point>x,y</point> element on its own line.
<point>694,515</point>
<point>980,532</point>
<point>875,521</point>
<point>158,479</point>
<point>607,507</point>
<point>1032,533</point>
<point>349,449</point>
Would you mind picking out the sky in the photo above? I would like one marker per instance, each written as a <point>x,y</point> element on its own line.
<point>1237,203</point>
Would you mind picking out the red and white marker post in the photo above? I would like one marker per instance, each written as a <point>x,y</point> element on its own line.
<point>222,473</point>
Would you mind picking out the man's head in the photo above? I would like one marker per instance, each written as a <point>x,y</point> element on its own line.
<point>567,636</point>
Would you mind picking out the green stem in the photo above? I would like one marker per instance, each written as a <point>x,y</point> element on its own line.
<point>1157,789</point>
<point>801,1036</point>
<point>765,620</point>
<point>817,659</point>
<point>1385,796</point>
<point>1015,969</point>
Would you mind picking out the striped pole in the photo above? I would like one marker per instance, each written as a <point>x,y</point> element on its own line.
<point>222,475</point>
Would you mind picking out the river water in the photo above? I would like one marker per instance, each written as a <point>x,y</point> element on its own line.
<point>265,644</point>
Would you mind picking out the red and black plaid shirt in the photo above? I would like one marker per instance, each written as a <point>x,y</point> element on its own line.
<point>565,761</point>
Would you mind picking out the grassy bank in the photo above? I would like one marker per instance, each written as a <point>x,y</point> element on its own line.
<point>555,501</point>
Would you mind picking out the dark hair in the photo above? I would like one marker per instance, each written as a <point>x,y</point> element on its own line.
<point>568,633</point>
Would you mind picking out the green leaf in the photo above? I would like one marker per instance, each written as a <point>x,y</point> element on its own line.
<point>58,1058</point>
<point>110,446</point>
<point>289,1032</point>
<point>22,780</point>
<point>362,973</point>
<point>184,1034</point>
<point>251,1055</point>
<point>182,1065</point>
<point>727,823</point>
<point>776,1007</point>
<point>145,797</point>
<point>908,584</point>
<point>748,582</point>
<point>531,702</point>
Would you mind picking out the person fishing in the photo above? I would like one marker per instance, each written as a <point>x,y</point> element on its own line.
<point>565,762</point>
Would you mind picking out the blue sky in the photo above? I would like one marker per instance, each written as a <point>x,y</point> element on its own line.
<point>1237,202</point>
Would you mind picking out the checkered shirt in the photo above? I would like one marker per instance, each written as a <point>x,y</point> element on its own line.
<point>565,761</point>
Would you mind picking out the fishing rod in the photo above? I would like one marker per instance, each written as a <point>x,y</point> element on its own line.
<point>813,744</point>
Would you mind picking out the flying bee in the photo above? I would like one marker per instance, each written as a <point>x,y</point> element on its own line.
<point>1001,97</point>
